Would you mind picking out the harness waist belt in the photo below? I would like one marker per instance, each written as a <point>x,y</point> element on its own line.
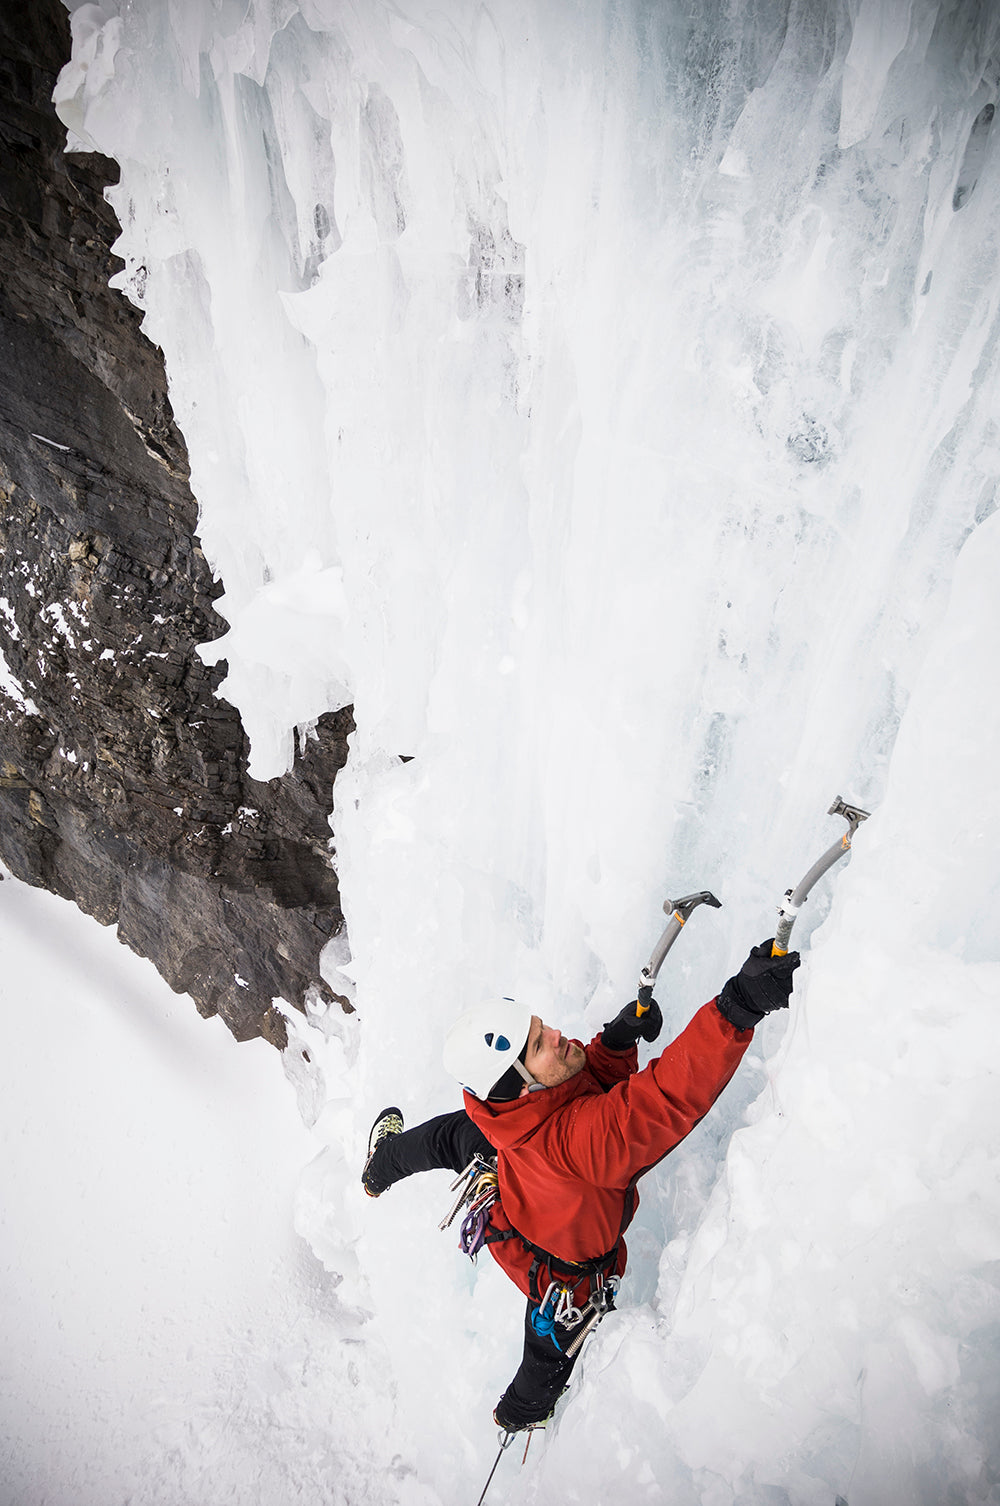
<point>587,1267</point>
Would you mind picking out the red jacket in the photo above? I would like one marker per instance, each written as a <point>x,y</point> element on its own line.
<point>568,1157</point>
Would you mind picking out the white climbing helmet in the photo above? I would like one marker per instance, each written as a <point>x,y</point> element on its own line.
<point>485,1042</point>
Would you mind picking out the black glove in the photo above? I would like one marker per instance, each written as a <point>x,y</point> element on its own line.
<point>626,1028</point>
<point>762,984</point>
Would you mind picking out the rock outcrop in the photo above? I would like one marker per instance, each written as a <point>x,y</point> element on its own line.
<point>123,782</point>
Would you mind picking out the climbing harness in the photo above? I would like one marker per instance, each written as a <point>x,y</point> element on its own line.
<point>558,1309</point>
<point>557,1305</point>
<point>477,1190</point>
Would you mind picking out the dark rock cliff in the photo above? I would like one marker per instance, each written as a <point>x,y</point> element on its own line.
<point>123,782</point>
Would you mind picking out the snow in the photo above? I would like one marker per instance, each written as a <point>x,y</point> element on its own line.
<point>160,1317</point>
<point>11,687</point>
<point>602,398</point>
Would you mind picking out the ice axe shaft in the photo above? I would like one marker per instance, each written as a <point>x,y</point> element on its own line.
<point>678,910</point>
<point>796,898</point>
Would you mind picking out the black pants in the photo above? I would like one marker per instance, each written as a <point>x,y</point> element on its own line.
<point>450,1142</point>
<point>447,1143</point>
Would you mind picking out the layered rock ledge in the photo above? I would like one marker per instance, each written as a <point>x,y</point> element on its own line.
<point>123,778</point>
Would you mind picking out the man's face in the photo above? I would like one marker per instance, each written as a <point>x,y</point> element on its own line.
<point>550,1057</point>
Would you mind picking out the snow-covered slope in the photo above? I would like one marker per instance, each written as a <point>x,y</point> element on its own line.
<point>603,398</point>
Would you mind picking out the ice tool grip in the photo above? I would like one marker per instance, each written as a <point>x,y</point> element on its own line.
<point>796,898</point>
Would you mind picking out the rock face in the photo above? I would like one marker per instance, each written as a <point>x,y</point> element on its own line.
<point>123,781</point>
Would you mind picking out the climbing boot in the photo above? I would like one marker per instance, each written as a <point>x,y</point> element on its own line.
<point>389,1122</point>
<point>510,1426</point>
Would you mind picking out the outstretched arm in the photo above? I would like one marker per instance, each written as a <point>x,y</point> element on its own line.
<point>611,1138</point>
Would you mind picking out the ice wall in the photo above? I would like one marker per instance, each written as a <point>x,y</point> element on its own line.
<point>602,397</point>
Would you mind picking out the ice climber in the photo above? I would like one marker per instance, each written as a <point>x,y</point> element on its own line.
<point>571,1129</point>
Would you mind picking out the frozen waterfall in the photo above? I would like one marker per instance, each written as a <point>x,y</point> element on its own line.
<point>603,398</point>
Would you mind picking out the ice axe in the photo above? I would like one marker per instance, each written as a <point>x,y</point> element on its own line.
<point>796,898</point>
<point>678,910</point>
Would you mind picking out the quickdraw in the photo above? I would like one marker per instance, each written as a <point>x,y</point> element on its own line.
<point>478,1190</point>
<point>566,1313</point>
<point>484,1193</point>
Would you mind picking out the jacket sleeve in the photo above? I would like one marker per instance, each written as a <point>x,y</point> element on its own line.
<point>609,1067</point>
<point>609,1138</point>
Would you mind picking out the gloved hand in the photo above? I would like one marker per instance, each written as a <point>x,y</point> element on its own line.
<point>627,1027</point>
<point>762,984</point>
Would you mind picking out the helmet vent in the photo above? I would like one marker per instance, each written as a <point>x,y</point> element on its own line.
<point>498,1042</point>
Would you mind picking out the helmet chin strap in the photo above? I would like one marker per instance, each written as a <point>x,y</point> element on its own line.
<point>533,1086</point>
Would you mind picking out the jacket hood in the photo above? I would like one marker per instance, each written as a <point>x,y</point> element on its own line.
<point>509,1125</point>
